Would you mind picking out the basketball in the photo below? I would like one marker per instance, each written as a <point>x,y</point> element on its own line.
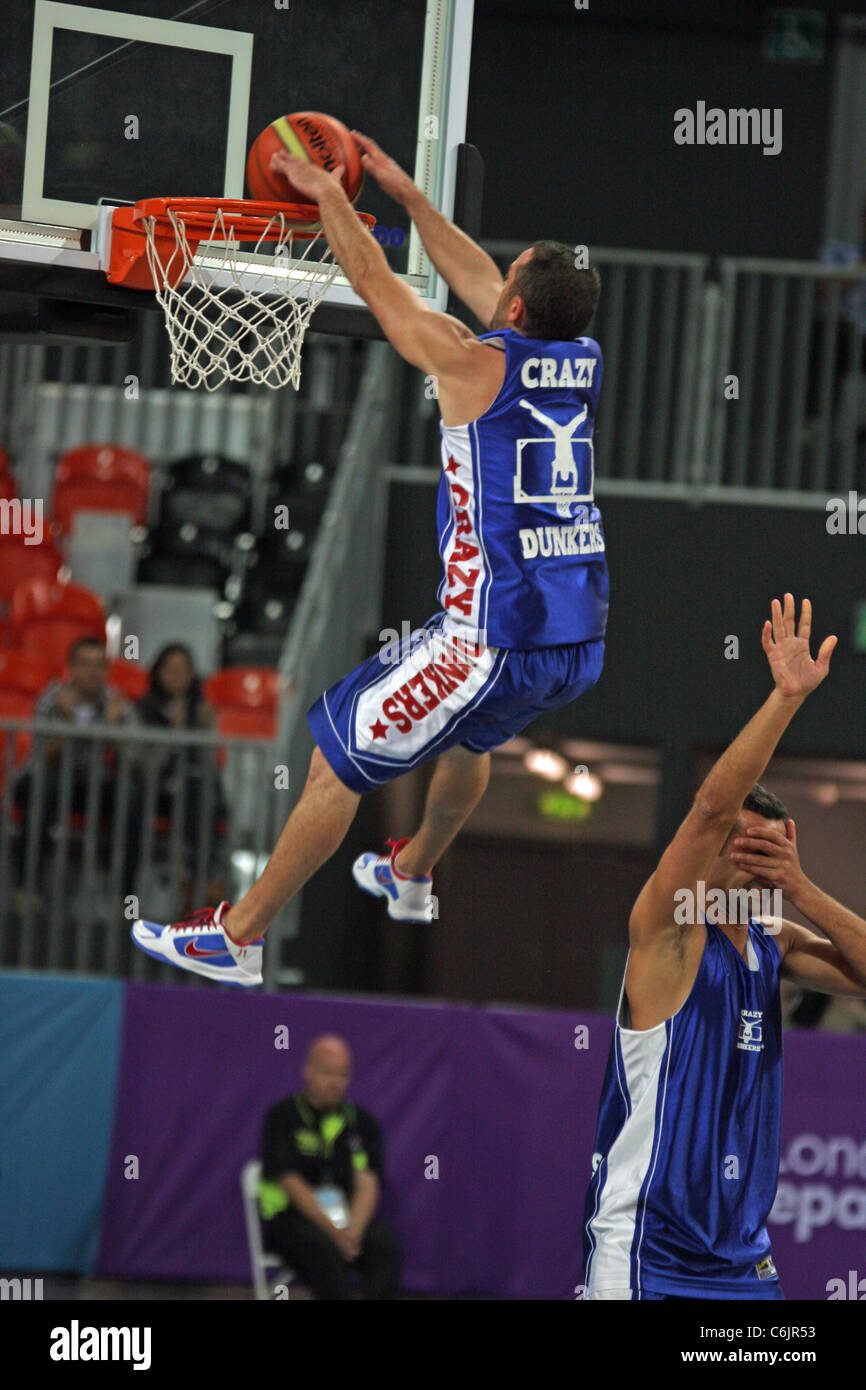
<point>314,136</point>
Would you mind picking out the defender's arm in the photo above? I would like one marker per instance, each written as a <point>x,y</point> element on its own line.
<point>703,833</point>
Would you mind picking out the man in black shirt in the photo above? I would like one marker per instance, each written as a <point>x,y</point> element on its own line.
<point>321,1180</point>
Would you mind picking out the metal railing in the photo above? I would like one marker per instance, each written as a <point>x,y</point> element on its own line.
<point>672,420</point>
<point>70,826</point>
<point>672,337</point>
<point>105,823</point>
<point>649,323</point>
<point>797,424</point>
<point>55,399</point>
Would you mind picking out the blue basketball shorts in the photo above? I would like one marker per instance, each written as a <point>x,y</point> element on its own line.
<point>440,688</point>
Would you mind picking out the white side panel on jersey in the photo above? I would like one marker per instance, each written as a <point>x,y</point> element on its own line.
<point>613,1226</point>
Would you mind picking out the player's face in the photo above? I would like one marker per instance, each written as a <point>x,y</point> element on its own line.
<point>725,873</point>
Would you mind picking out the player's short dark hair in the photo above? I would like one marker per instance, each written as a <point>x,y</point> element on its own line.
<point>765,803</point>
<point>560,299</point>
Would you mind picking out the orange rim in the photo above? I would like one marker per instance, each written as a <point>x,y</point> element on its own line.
<point>245,218</point>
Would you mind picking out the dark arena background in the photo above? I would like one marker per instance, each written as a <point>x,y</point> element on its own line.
<point>271,539</point>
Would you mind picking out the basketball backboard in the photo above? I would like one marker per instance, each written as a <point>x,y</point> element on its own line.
<point>151,98</point>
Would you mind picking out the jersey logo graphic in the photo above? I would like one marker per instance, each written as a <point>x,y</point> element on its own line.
<point>751,1034</point>
<point>539,478</point>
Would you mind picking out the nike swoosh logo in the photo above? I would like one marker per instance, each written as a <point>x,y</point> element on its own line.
<point>383,877</point>
<point>190,949</point>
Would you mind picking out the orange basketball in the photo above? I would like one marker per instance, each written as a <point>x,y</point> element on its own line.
<point>314,136</point>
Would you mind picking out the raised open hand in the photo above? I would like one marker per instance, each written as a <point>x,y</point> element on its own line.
<point>787,646</point>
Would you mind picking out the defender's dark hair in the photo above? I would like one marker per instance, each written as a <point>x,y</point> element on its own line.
<point>765,803</point>
<point>560,299</point>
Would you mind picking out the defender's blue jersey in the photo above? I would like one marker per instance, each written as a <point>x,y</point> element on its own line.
<point>520,536</point>
<point>686,1155</point>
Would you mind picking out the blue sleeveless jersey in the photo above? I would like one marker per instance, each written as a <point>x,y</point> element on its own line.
<point>686,1155</point>
<point>520,536</point>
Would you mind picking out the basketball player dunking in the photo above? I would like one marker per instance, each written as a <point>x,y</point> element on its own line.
<point>687,1145</point>
<point>524,589</point>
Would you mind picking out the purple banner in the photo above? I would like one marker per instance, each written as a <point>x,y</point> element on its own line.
<point>818,1223</point>
<point>488,1116</point>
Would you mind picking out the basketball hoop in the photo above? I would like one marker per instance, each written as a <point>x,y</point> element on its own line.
<point>238,319</point>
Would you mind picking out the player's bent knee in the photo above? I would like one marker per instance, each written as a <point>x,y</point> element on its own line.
<point>321,773</point>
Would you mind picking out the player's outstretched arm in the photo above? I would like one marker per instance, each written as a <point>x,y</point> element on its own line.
<point>689,856</point>
<point>437,343</point>
<point>467,270</point>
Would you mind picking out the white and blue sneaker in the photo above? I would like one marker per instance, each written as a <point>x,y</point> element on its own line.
<point>202,944</point>
<point>409,899</point>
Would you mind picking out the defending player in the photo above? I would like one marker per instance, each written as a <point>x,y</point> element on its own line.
<point>524,590</point>
<point>687,1146</point>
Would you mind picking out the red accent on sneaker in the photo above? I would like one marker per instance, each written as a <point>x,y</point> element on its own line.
<point>241,944</point>
<point>190,949</point>
<point>226,931</point>
<point>395,847</point>
<point>198,919</point>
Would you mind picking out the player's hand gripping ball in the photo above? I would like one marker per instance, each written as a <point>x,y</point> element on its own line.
<point>320,139</point>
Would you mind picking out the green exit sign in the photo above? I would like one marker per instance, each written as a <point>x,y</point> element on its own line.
<point>557,804</point>
<point>858,631</point>
<point>795,36</point>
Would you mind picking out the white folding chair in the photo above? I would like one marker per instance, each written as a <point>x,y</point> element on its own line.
<point>267,1269</point>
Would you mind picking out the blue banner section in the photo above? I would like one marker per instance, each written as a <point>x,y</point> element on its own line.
<point>59,1053</point>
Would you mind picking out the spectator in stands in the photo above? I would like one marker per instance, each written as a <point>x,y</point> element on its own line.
<point>83,698</point>
<point>175,702</point>
<point>321,1181</point>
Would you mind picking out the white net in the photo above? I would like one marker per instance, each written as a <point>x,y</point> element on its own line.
<point>233,319</point>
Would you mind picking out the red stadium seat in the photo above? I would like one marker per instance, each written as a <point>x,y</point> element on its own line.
<point>247,723</point>
<point>102,478</point>
<point>14,704</point>
<point>19,562</point>
<point>243,688</point>
<point>48,618</point>
<point>97,495</point>
<point>129,678</point>
<point>105,463</point>
<point>23,673</point>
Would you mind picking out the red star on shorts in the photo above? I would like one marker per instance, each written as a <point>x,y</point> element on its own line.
<point>452,465</point>
<point>379,730</point>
